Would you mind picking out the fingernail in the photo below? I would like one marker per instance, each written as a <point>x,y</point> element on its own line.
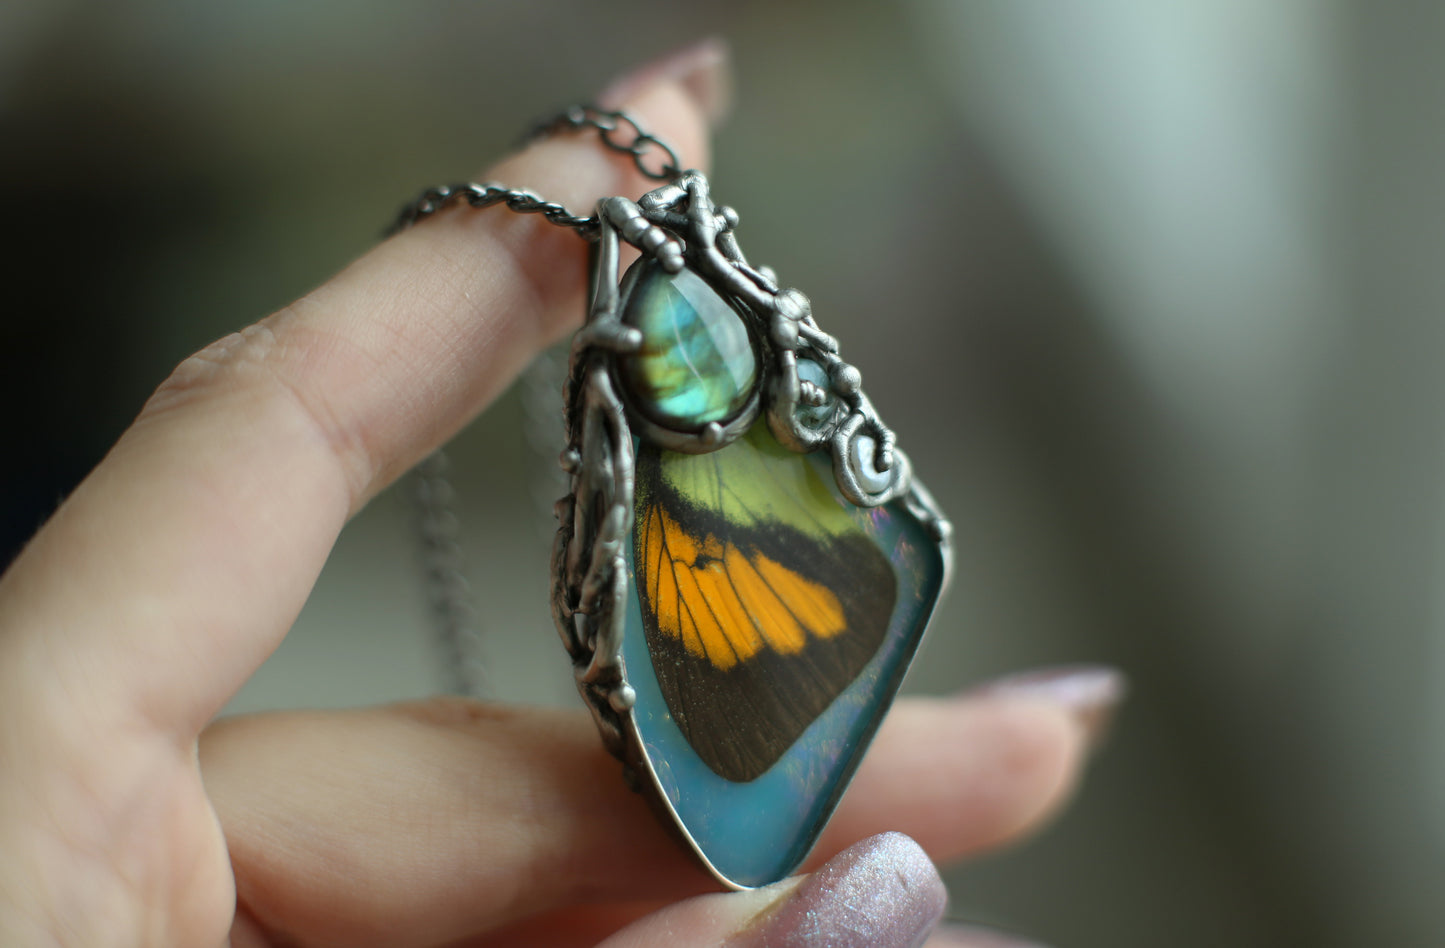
<point>882,892</point>
<point>1092,693</point>
<point>966,936</point>
<point>703,69</point>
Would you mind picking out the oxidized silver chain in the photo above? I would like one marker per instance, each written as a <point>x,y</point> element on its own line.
<point>617,130</point>
<point>431,495</point>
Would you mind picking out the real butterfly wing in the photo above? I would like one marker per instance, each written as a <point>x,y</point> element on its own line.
<point>762,600</point>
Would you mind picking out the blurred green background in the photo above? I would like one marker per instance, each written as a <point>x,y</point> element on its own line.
<point>1151,292</point>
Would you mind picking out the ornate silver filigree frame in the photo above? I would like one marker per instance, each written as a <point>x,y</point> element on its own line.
<point>678,225</point>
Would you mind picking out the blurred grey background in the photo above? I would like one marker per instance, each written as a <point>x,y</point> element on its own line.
<point>1152,293</point>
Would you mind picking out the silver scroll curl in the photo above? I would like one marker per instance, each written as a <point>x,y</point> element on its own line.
<point>812,399</point>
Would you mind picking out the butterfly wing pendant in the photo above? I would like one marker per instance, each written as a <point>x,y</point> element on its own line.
<point>745,565</point>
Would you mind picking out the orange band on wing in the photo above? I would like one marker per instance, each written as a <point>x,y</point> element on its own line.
<point>725,605</point>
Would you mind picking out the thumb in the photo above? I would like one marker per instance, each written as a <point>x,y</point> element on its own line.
<point>879,893</point>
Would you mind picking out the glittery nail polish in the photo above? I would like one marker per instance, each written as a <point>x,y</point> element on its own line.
<point>882,892</point>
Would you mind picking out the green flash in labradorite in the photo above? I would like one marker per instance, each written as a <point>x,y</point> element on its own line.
<point>697,363</point>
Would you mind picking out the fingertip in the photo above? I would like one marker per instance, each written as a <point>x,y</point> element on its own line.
<point>882,892</point>
<point>1036,751</point>
<point>574,169</point>
<point>964,775</point>
<point>703,69</point>
<point>1092,693</point>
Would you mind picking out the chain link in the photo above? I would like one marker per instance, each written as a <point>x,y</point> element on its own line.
<point>617,130</point>
<point>481,196</point>
<point>433,499</point>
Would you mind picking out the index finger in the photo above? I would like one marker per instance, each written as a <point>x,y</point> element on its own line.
<point>178,565</point>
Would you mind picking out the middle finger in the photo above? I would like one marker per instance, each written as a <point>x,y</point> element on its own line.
<point>428,822</point>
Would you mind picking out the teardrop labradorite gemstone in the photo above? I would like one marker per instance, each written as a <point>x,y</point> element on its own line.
<point>697,363</point>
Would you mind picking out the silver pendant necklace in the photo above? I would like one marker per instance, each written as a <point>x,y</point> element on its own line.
<point>744,563</point>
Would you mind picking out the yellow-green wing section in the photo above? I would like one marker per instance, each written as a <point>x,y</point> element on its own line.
<point>757,481</point>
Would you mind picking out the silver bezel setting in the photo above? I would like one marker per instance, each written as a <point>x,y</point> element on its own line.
<point>678,225</point>
<point>708,437</point>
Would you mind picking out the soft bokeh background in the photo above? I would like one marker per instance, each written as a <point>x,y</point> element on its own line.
<point>1152,293</point>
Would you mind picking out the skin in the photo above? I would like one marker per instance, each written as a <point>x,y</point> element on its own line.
<point>128,818</point>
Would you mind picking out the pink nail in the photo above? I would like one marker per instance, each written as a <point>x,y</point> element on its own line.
<point>1092,693</point>
<point>703,69</point>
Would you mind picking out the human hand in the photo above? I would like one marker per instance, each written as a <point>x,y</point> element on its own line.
<point>172,572</point>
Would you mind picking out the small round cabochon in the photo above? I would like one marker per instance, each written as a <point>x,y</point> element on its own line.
<point>697,364</point>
